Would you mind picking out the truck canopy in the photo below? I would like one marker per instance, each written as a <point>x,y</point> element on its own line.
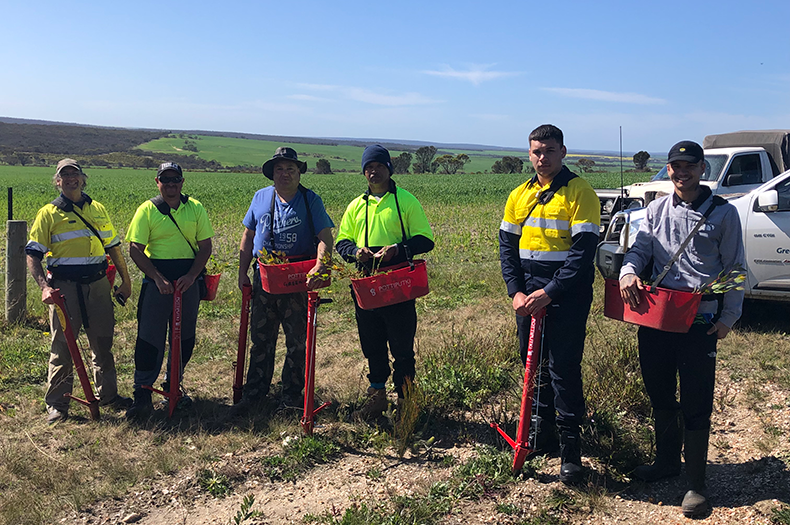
<point>775,142</point>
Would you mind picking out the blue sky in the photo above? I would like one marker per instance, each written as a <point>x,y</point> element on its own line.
<point>472,72</point>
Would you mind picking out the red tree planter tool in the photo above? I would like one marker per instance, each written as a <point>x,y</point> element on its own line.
<point>174,394</point>
<point>308,417</point>
<point>241,357</point>
<point>521,444</point>
<point>90,400</point>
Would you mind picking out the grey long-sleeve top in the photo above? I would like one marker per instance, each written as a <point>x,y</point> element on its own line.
<point>718,246</point>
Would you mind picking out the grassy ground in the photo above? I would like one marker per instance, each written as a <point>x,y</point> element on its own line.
<point>467,365</point>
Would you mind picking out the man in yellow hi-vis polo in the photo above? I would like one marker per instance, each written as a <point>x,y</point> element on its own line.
<point>74,232</point>
<point>547,243</point>
<point>384,226</point>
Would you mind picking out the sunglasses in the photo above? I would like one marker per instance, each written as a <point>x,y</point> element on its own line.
<point>171,180</point>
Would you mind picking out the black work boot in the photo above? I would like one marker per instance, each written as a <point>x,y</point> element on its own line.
<point>542,437</point>
<point>695,502</point>
<point>571,457</point>
<point>141,407</point>
<point>669,442</point>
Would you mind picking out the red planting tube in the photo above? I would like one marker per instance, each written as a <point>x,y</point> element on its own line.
<point>238,380</point>
<point>521,443</point>
<point>308,416</point>
<point>90,400</point>
<point>174,394</point>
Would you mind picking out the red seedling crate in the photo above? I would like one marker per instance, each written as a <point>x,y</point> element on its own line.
<point>399,284</point>
<point>663,309</point>
<point>287,278</point>
<point>212,284</point>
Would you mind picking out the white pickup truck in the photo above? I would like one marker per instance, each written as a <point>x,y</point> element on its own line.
<point>735,164</point>
<point>765,221</point>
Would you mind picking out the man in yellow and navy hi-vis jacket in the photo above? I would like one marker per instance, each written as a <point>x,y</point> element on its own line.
<point>75,233</point>
<point>547,243</point>
<point>384,226</point>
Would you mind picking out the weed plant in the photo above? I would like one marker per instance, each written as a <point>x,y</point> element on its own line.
<point>300,455</point>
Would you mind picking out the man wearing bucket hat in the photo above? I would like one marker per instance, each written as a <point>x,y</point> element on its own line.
<point>697,236</point>
<point>288,218</point>
<point>170,241</point>
<point>547,243</point>
<point>75,231</point>
<point>384,226</point>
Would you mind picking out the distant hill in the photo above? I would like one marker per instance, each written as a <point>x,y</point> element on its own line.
<point>41,142</point>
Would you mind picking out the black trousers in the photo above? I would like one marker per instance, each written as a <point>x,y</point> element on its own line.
<point>665,356</point>
<point>395,325</point>
<point>560,399</point>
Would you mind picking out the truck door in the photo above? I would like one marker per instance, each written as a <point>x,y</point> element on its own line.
<point>744,174</point>
<point>767,239</point>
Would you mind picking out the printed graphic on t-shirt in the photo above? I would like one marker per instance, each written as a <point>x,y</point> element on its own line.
<point>284,238</point>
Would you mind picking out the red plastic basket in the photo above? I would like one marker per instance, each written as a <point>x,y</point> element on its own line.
<point>663,309</point>
<point>111,271</point>
<point>287,278</point>
<point>399,284</point>
<point>212,284</point>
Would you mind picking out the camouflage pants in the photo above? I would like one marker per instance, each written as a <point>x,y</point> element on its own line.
<point>268,313</point>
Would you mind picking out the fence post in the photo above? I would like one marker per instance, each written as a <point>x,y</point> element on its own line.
<point>15,271</point>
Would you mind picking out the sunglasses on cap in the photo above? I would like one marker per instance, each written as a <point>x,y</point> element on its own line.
<point>170,180</point>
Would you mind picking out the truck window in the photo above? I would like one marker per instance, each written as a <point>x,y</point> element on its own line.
<point>783,190</point>
<point>745,169</point>
<point>713,166</point>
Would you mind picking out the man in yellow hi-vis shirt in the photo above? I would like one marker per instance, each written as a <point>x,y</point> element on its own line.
<point>75,231</point>
<point>547,243</point>
<point>384,226</point>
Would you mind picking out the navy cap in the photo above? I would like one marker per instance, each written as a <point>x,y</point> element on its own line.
<point>687,150</point>
<point>169,166</point>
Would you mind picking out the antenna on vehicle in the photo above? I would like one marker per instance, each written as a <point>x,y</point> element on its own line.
<point>622,182</point>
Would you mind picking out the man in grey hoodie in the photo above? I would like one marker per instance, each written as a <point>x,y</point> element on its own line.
<point>717,247</point>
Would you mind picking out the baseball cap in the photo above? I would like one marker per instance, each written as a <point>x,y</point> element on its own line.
<point>68,163</point>
<point>687,150</point>
<point>169,166</point>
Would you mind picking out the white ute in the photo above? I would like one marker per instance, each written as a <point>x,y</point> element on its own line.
<point>735,164</point>
<point>765,221</point>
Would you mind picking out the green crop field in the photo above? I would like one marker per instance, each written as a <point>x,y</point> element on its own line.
<point>249,152</point>
<point>464,209</point>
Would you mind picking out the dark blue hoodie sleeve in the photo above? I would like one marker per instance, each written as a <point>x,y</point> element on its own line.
<point>511,263</point>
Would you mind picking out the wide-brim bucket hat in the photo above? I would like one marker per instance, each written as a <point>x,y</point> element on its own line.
<point>282,153</point>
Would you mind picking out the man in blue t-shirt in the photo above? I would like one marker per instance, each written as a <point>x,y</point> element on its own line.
<point>288,218</point>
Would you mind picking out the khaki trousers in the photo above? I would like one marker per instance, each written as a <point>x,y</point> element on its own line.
<point>99,308</point>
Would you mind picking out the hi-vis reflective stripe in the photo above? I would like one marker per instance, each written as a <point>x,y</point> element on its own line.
<point>36,246</point>
<point>510,227</point>
<point>584,227</point>
<point>535,255</point>
<point>71,261</point>
<point>546,224</point>
<point>60,237</point>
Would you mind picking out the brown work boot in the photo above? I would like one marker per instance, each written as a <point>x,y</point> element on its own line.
<point>373,407</point>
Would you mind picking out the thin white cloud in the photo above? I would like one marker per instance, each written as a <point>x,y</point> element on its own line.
<point>368,96</point>
<point>309,98</point>
<point>490,117</point>
<point>606,96</point>
<point>382,99</point>
<point>317,87</point>
<point>476,73</point>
